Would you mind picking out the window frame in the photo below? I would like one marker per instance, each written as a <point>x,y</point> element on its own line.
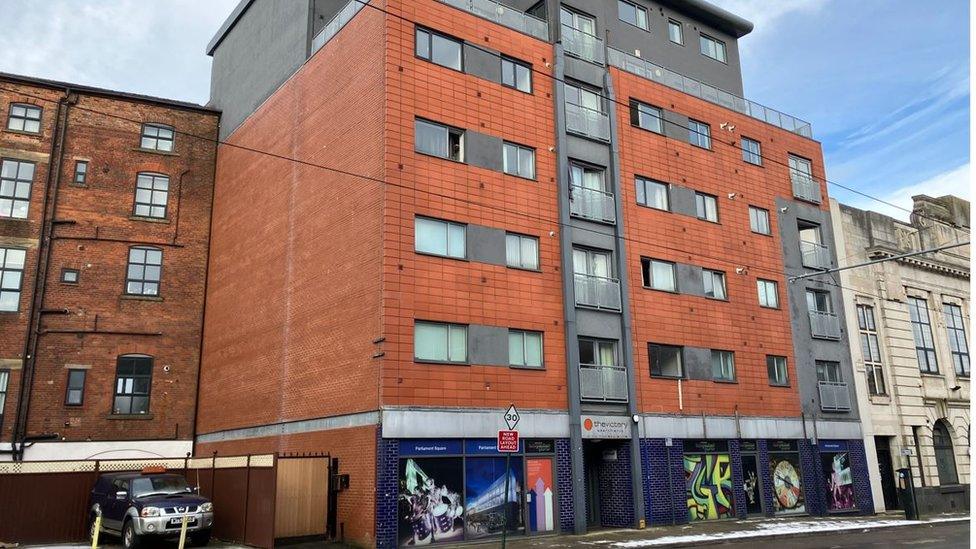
<point>4,389</point>
<point>679,349</point>
<point>696,136</point>
<point>868,332</point>
<point>158,126</point>
<point>642,183</point>
<point>4,269</point>
<point>828,368</point>
<point>712,274</point>
<point>515,64</point>
<point>636,111</point>
<point>704,38</point>
<point>931,366</point>
<point>447,242</point>
<point>580,88</point>
<point>144,281</point>
<point>520,266</point>
<point>81,169</point>
<point>944,451</point>
<point>647,274</point>
<point>68,388</point>
<point>459,133</point>
<point>829,301</point>
<point>701,205</point>
<point>542,351</point>
<point>749,156</point>
<point>762,285</point>
<point>720,353</point>
<point>519,150</point>
<point>153,177</point>
<point>430,47</point>
<point>17,180</point>
<point>595,344</point>
<point>148,394</point>
<point>66,271</point>
<point>638,10</point>
<point>449,326</point>
<point>28,108</point>
<point>754,220</point>
<point>674,23</point>
<point>956,332</point>
<point>772,365</point>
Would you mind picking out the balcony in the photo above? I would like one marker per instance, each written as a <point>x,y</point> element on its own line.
<point>592,204</point>
<point>805,187</point>
<point>603,383</point>
<point>344,16</point>
<point>650,71</point>
<point>582,44</point>
<point>814,255</point>
<point>824,325</point>
<point>597,291</point>
<point>834,396</point>
<point>504,15</point>
<point>587,122</point>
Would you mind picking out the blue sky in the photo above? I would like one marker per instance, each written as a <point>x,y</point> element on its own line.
<point>885,83</point>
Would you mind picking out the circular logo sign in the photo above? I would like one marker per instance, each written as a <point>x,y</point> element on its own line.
<point>588,424</point>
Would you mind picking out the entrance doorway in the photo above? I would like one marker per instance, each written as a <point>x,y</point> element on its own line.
<point>592,457</point>
<point>751,479</point>
<point>882,447</point>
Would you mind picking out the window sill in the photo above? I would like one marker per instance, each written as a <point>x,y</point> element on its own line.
<point>667,378</point>
<point>879,399</point>
<point>747,163</point>
<point>78,185</point>
<point>155,151</point>
<point>933,375</point>
<point>22,132</point>
<point>780,385</point>
<point>5,219</point>
<point>530,368</point>
<point>532,179</point>
<point>707,220</point>
<point>141,297</point>
<point>429,254</point>
<point>147,219</point>
<point>526,269</point>
<point>709,149</point>
<point>770,235</point>
<point>645,206</point>
<point>726,381</point>
<point>444,362</point>
<point>430,155</point>
<point>952,488</point>
<point>721,299</point>
<point>648,130</point>
<point>514,88</point>
<point>673,292</point>
<point>125,417</point>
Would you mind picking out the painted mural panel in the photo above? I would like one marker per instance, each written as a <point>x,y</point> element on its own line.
<point>838,480</point>
<point>751,484</point>
<point>708,478</point>
<point>484,483</point>
<point>429,506</point>
<point>787,483</point>
<point>540,494</point>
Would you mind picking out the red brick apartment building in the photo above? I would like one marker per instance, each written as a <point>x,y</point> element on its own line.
<point>429,210</point>
<point>105,202</point>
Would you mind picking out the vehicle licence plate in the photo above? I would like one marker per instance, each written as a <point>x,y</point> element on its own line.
<point>178,521</point>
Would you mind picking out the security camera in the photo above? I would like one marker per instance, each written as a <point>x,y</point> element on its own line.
<point>732,196</point>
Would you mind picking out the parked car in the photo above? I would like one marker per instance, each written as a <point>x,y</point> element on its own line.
<point>151,503</point>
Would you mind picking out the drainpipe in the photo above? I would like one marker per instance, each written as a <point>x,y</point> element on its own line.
<point>52,184</point>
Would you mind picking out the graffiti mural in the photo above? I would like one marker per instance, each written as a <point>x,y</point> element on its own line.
<point>839,482</point>
<point>708,478</point>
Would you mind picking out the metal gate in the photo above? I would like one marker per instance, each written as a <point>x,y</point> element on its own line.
<point>302,497</point>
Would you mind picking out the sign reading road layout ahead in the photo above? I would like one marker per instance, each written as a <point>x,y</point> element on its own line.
<point>508,441</point>
<point>512,417</point>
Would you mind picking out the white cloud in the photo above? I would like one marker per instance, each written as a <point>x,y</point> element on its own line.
<point>955,181</point>
<point>764,13</point>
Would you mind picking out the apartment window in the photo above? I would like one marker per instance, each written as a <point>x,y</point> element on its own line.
<point>69,276</point>
<point>723,366</point>
<point>11,278</point>
<point>440,342</point>
<point>594,263</point>
<point>133,382</point>
<point>819,302</point>
<point>4,377</point>
<point>759,220</point>
<point>444,238</point>
<point>519,160</point>
<point>632,13</point>
<point>712,47</point>
<point>699,134</point>
<point>588,98</point>
<point>957,338</point>
<point>144,271</point>
<point>658,275</point>
<point>16,179</point>
<point>152,193</point>
<point>516,74</point>
<point>706,206</point>
<point>918,312</point>
<point>776,369</point>
<point>597,352</point>
<point>578,21</point>
<point>521,251</point>
<point>870,350</point>
<point>24,118</point>
<point>768,293</point>
<point>714,284</point>
<point>828,371</point>
<point>751,151</point>
<point>439,49</point>
<point>801,169</point>
<point>653,194</point>
<point>945,456</point>
<point>676,32</point>
<point>525,349</point>
<point>439,140</point>
<point>75,393</point>
<point>665,360</point>
<point>157,137</point>
<point>81,172</point>
<point>646,116</point>
<point>587,177</point>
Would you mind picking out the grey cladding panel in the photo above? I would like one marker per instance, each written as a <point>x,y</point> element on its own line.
<point>486,244</point>
<point>484,151</point>
<point>676,125</point>
<point>482,63</point>
<point>689,278</point>
<point>683,201</point>
<point>697,363</point>
<point>601,324</point>
<point>590,152</point>
<point>487,345</point>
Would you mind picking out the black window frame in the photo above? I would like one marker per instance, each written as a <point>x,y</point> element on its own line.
<point>873,364</point>
<point>702,36</point>
<point>641,183</point>
<point>64,272</point>
<point>519,151</point>
<point>144,264</point>
<point>143,136</point>
<point>931,362</point>
<point>769,223</point>
<point>448,327</point>
<point>542,349</point>
<point>681,31</point>
<point>69,388</point>
<point>28,108</point>
<point>712,366</point>
<point>594,343</point>
<point>703,211</point>
<point>153,192</point>
<point>133,375</point>
<point>4,269</point>
<point>696,136</point>
<point>16,181</point>
<point>775,284</point>
<point>638,9</point>
<point>636,112</point>
<point>771,366</point>
<point>455,141</point>
<point>828,367</point>
<point>654,351</point>
<point>647,278</point>
<point>521,266</point>
<point>721,276</point>
<point>749,156</point>
<point>515,64</point>
<point>447,242</point>
<point>80,176</point>
<point>958,344</point>
<point>430,47</point>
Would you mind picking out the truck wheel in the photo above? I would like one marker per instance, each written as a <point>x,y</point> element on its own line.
<point>200,539</point>
<point>129,537</point>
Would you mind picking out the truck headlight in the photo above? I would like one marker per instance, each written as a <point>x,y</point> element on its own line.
<point>150,512</point>
<point>206,507</point>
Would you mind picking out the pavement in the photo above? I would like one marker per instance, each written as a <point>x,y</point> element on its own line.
<point>944,531</point>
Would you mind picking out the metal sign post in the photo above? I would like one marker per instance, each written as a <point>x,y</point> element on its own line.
<point>504,445</point>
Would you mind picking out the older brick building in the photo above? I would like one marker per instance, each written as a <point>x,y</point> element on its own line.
<point>430,210</point>
<point>105,203</point>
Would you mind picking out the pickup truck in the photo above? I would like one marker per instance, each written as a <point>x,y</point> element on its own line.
<point>137,505</point>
